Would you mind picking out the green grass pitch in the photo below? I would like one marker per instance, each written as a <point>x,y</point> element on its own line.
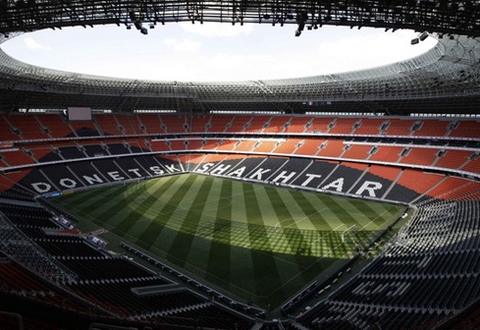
<point>260,242</point>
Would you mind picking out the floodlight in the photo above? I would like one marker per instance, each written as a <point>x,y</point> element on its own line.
<point>423,36</point>
<point>138,25</point>
<point>301,20</point>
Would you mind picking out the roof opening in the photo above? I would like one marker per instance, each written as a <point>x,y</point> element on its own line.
<point>213,51</point>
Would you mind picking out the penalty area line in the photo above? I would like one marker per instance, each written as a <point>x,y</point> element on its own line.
<point>297,220</point>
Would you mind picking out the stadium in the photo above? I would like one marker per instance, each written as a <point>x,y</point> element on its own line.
<point>342,201</point>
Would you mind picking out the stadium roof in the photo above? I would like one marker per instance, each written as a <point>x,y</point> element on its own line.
<point>444,80</point>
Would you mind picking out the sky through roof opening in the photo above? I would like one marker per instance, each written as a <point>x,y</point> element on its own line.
<point>213,51</point>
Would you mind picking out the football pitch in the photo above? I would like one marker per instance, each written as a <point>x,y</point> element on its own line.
<point>260,242</point>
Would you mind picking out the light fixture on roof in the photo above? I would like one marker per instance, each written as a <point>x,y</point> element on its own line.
<point>138,25</point>
<point>422,36</point>
<point>136,20</point>
<point>301,20</point>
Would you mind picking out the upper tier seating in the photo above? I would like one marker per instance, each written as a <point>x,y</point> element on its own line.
<point>29,127</point>
<point>343,126</point>
<point>297,125</point>
<point>238,124</point>
<point>370,126</point>
<point>46,126</point>
<point>466,129</point>
<point>175,123</point>
<point>56,125</point>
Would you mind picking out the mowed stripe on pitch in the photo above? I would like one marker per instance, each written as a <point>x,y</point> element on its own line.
<point>285,239</point>
<point>205,211</point>
<point>298,243</point>
<point>219,256</point>
<point>265,270</point>
<point>144,211</point>
<point>83,200</point>
<point>182,244</point>
<point>328,219</point>
<point>242,265</point>
<point>166,214</point>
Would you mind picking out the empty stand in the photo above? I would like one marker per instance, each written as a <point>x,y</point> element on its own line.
<point>226,144</point>
<point>175,123</point>
<point>266,146</point>
<point>107,124</point>
<point>84,128</point>
<point>151,123</point>
<point>297,125</point>
<point>194,144</point>
<point>17,157</point>
<point>332,148</point>
<point>199,123</point>
<point>453,159</point>
<point>178,144</point>
<point>399,127</point>
<point>8,132</point>
<point>345,174</point>
<point>418,182</point>
<point>73,152</point>
<point>369,126</point>
<point>125,125</point>
<point>94,150</point>
<point>44,153</point>
<point>469,128</point>
<point>453,188</point>
<point>137,125</point>
<point>212,144</point>
<point>257,124</point>
<point>219,123</point>
<point>161,145</point>
<point>432,128</point>
<point>473,164</point>
<point>343,126</point>
<point>276,124</point>
<point>117,148</point>
<point>29,127</point>
<point>319,125</point>
<point>321,168</point>
<point>309,147</point>
<point>386,153</point>
<point>110,170</point>
<point>357,151</point>
<point>386,172</point>
<point>420,156</point>
<point>238,124</point>
<point>245,145</point>
<point>288,146</point>
<point>55,124</point>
